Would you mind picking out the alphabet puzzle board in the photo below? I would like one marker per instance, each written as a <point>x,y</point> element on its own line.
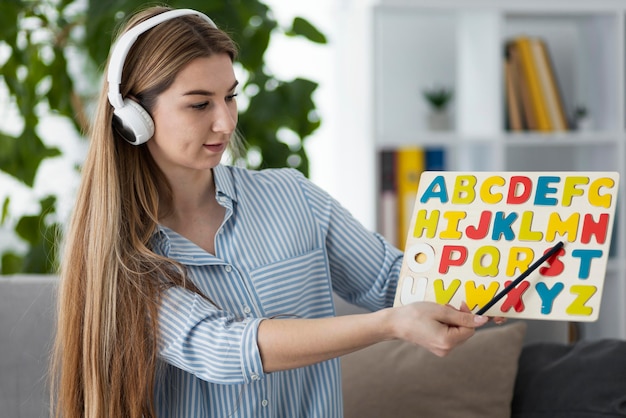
<point>472,233</point>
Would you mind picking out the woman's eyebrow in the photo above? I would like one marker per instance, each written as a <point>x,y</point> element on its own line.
<point>207,92</point>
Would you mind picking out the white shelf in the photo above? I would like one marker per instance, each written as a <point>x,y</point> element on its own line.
<point>418,43</point>
<point>506,139</point>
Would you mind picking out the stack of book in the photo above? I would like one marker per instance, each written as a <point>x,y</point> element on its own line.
<point>533,97</point>
<point>400,170</point>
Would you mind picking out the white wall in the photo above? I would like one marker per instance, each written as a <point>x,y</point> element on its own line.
<point>341,151</point>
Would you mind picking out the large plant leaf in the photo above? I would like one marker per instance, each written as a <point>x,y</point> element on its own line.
<point>42,238</point>
<point>21,156</point>
<point>38,78</point>
<point>303,27</point>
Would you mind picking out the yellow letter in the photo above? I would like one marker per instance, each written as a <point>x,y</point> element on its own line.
<point>595,198</point>
<point>478,295</point>
<point>443,295</point>
<point>485,189</point>
<point>422,222</point>
<point>525,231</point>
<point>584,293</point>
<point>464,193</point>
<point>481,254</point>
<point>452,230</point>
<point>517,262</point>
<point>570,190</point>
<point>557,225</point>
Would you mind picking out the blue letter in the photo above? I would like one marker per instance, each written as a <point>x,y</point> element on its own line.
<point>548,295</point>
<point>436,189</point>
<point>543,189</point>
<point>585,261</point>
<point>502,226</point>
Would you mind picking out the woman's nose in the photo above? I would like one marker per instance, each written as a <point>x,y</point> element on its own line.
<point>225,118</point>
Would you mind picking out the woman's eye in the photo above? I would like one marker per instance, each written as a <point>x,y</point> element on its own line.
<point>231,97</point>
<point>200,106</point>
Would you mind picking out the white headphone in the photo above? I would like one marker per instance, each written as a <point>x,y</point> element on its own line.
<point>135,120</point>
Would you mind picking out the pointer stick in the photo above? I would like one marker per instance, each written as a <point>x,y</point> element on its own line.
<point>521,277</point>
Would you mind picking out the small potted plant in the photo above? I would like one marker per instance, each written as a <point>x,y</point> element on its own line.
<point>438,98</point>
<point>582,120</point>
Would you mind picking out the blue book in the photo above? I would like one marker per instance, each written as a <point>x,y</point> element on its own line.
<point>435,159</point>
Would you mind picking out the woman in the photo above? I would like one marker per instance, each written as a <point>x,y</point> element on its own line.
<point>190,288</point>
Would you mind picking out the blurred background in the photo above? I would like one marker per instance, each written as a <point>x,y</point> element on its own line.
<point>329,87</point>
<point>301,60</point>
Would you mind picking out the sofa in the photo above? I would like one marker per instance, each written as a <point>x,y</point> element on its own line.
<point>497,373</point>
<point>26,328</point>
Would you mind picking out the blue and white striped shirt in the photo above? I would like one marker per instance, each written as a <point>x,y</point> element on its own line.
<point>283,248</point>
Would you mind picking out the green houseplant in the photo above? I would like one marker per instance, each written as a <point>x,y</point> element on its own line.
<point>582,120</point>
<point>51,56</point>
<point>438,98</point>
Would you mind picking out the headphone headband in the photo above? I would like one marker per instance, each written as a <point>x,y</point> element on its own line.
<point>125,42</point>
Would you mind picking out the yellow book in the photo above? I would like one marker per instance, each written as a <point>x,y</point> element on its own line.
<point>528,117</point>
<point>546,80</point>
<point>409,167</point>
<point>529,67</point>
<point>554,85</point>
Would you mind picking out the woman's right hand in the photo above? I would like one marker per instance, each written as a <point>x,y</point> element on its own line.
<point>438,328</point>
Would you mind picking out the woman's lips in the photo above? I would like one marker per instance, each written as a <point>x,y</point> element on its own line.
<point>215,147</point>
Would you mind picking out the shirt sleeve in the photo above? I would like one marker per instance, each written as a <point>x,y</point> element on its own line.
<point>207,342</point>
<point>364,266</point>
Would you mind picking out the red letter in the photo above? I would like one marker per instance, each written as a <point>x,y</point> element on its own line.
<point>514,197</point>
<point>599,229</point>
<point>555,265</point>
<point>514,297</point>
<point>480,231</point>
<point>447,260</point>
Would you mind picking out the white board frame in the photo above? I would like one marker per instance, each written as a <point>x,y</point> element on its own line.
<point>566,287</point>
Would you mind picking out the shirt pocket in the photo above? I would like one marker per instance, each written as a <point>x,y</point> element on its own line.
<point>297,287</point>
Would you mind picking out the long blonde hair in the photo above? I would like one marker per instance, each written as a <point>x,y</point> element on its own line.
<point>105,353</point>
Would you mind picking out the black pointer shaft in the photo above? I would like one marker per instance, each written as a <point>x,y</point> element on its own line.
<point>521,277</point>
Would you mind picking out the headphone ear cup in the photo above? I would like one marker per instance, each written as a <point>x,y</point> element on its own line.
<point>137,127</point>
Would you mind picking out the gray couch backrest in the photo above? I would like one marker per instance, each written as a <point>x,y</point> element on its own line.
<point>27,314</point>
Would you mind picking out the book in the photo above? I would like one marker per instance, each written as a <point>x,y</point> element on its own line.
<point>533,84</point>
<point>555,88</point>
<point>518,244</point>
<point>388,195</point>
<point>435,159</point>
<point>409,166</point>
<point>399,171</point>
<point>525,104</point>
<point>546,81</point>
<point>513,99</point>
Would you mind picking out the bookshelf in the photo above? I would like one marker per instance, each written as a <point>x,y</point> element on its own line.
<point>417,43</point>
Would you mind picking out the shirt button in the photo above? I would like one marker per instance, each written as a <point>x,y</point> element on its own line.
<point>264,402</point>
<point>228,269</point>
<point>246,309</point>
<point>254,376</point>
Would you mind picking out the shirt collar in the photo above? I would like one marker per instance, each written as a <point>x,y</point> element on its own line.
<point>224,182</point>
<point>160,241</point>
<point>224,188</point>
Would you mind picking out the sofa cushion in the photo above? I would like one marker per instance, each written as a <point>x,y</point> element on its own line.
<point>397,379</point>
<point>581,380</point>
<point>27,313</point>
